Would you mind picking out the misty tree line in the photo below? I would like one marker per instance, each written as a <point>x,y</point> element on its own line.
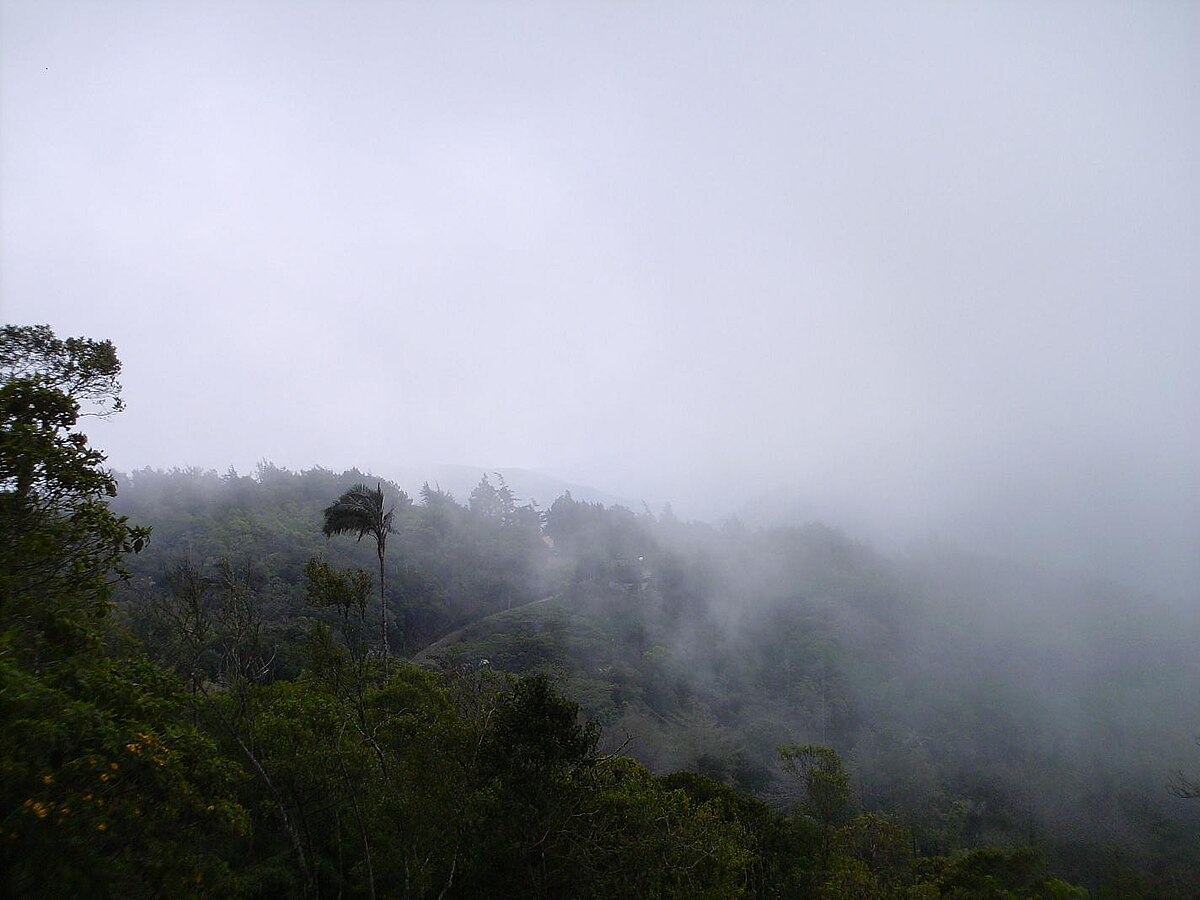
<point>227,709</point>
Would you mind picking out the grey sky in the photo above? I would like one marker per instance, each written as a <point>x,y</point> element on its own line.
<point>934,268</point>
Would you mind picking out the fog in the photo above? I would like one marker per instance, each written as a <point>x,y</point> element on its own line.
<point>929,271</point>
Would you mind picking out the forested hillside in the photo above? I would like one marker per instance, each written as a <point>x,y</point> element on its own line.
<point>977,700</point>
<point>309,684</point>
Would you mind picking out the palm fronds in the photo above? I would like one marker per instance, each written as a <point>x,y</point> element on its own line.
<point>359,511</point>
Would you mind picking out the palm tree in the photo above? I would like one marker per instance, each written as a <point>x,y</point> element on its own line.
<point>359,511</point>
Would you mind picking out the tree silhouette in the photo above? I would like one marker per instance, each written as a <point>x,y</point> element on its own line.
<point>359,511</point>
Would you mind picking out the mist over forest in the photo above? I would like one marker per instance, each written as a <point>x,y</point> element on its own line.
<point>599,450</point>
<point>929,272</point>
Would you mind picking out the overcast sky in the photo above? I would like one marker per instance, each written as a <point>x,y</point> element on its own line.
<point>932,268</point>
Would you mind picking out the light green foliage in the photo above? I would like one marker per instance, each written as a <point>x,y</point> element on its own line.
<point>824,779</point>
<point>646,841</point>
<point>344,591</point>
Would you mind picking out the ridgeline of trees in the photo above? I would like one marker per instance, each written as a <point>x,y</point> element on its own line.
<point>607,704</point>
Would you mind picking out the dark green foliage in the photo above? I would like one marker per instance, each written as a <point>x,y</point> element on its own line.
<point>993,873</point>
<point>106,788</point>
<point>61,546</point>
<point>644,841</point>
<point>537,732</point>
<point>268,751</point>
<point>81,369</point>
<point>782,850</point>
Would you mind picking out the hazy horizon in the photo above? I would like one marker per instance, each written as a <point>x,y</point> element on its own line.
<point>924,271</point>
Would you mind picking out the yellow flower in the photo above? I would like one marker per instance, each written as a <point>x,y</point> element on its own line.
<point>113,766</point>
<point>104,776</point>
<point>101,827</point>
<point>47,779</point>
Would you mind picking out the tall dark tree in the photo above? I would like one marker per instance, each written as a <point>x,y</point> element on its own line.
<point>360,511</point>
<point>86,370</point>
<point>62,547</point>
<point>106,788</point>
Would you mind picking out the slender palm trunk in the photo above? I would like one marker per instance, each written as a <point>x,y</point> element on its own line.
<point>383,630</point>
